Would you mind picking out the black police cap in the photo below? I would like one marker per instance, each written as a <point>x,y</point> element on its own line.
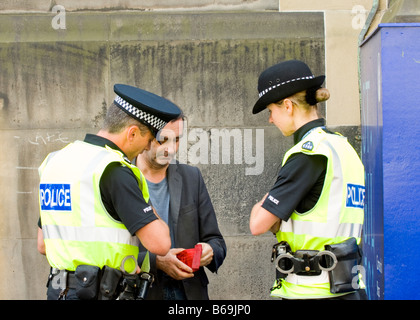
<point>150,109</point>
<point>284,80</point>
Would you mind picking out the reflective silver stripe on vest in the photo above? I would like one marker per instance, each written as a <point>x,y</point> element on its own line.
<point>88,216</point>
<point>322,230</point>
<point>70,233</point>
<point>307,280</point>
<point>335,200</point>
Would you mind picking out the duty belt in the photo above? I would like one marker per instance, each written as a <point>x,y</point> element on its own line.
<point>302,262</point>
<point>92,282</point>
<point>62,279</point>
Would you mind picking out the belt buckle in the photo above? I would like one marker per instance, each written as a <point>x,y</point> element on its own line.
<point>308,261</point>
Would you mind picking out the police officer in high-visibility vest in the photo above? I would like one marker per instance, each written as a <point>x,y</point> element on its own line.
<point>315,208</point>
<point>94,203</point>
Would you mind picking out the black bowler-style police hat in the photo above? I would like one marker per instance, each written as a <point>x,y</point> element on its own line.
<point>284,80</point>
<point>148,108</point>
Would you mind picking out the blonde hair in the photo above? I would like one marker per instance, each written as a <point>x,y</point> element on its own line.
<point>322,94</point>
<point>301,98</point>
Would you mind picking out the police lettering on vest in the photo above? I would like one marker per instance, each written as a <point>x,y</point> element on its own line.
<point>55,197</point>
<point>355,196</point>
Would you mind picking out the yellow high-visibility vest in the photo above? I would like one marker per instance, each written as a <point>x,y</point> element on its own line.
<point>77,228</point>
<point>337,216</point>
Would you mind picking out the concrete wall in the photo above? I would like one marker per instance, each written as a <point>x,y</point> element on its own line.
<point>55,85</point>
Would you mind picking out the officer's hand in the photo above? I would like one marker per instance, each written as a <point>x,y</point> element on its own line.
<point>138,270</point>
<point>172,266</point>
<point>206,254</point>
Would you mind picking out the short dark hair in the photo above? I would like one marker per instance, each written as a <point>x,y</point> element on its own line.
<point>116,120</point>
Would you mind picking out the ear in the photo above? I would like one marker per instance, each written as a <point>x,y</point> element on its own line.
<point>288,104</point>
<point>132,132</point>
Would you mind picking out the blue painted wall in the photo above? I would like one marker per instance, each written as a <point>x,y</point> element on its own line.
<point>390,89</point>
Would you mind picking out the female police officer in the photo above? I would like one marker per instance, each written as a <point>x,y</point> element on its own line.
<point>317,201</point>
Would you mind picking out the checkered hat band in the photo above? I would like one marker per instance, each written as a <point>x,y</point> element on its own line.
<point>150,119</point>
<point>283,83</point>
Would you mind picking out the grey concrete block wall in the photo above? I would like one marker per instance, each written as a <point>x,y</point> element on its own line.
<point>55,86</point>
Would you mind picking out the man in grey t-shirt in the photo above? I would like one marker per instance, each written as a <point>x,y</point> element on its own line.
<point>180,197</point>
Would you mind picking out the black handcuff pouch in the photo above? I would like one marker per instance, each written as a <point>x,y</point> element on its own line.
<point>110,281</point>
<point>87,281</point>
<point>348,256</point>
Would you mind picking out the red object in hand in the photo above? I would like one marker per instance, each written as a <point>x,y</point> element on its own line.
<point>191,257</point>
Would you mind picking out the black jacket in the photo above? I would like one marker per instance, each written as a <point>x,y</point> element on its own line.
<point>193,220</point>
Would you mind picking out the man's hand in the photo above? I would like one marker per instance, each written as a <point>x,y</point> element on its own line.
<point>206,254</point>
<point>174,267</point>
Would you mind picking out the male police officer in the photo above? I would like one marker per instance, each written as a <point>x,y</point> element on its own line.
<point>94,202</point>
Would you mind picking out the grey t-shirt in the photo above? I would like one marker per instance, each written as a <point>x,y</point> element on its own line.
<point>159,197</point>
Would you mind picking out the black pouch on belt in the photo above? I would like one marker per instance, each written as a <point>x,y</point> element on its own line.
<point>109,282</point>
<point>348,257</point>
<point>87,282</point>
